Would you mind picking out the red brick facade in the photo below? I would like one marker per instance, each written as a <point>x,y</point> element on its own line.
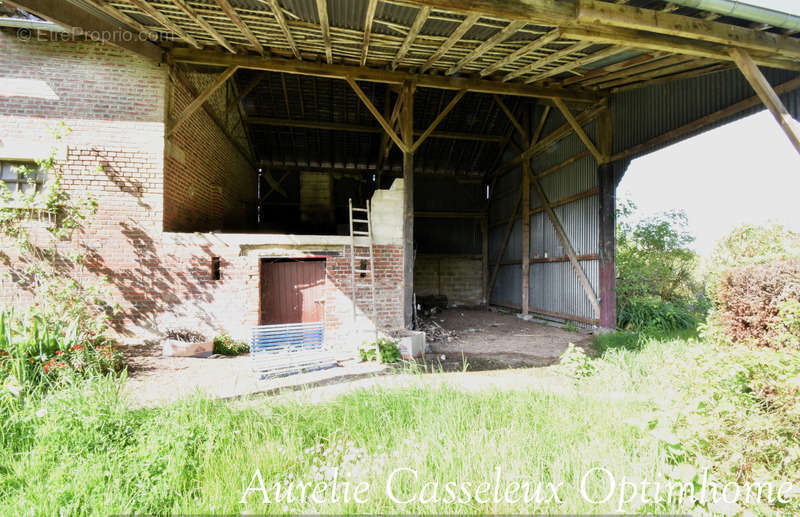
<point>116,105</point>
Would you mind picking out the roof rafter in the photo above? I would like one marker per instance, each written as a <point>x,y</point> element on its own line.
<point>322,11</point>
<point>462,29</point>
<point>281,19</point>
<point>419,21</point>
<point>373,4</point>
<point>567,67</point>
<point>188,11</point>
<point>527,49</point>
<point>158,16</point>
<point>487,45</point>
<point>234,17</point>
<point>552,58</point>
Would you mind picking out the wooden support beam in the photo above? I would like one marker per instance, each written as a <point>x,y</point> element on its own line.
<point>196,18</point>
<point>80,22</point>
<point>552,58</point>
<point>485,259</point>
<point>371,6</point>
<point>652,21</point>
<point>513,120</point>
<point>413,32</point>
<point>457,34</point>
<point>200,100</point>
<point>576,126</point>
<point>272,188</point>
<point>438,120</point>
<point>252,85</point>
<point>576,64</point>
<point>124,18</point>
<point>617,69</point>
<point>768,96</point>
<point>506,238</point>
<point>281,19</point>
<point>526,234</point>
<point>275,185</point>
<point>538,134</point>
<point>534,45</point>
<point>407,130</point>
<point>702,122</point>
<point>177,77</point>
<point>499,37</point>
<point>377,114</point>
<point>552,314</point>
<point>566,244</point>
<point>554,204</point>
<point>322,12</point>
<point>234,17</point>
<point>607,187</point>
<point>293,66</point>
<point>155,14</point>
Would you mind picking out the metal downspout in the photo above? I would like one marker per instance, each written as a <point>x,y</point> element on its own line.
<point>753,13</point>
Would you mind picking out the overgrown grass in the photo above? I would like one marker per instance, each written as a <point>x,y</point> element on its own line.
<point>651,409</point>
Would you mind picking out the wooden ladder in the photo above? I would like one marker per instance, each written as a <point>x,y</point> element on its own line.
<point>366,263</point>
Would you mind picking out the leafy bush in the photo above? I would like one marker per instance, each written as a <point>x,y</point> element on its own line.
<point>36,355</point>
<point>226,345</point>
<point>390,352</point>
<point>747,245</point>
<point>758,303</point>
<point>575,363</point>
<point>656,286</point>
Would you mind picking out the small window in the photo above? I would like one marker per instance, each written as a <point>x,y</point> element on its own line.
<point>25,177</point>
<point>216,269</point>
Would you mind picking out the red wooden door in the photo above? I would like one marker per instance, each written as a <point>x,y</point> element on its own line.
<point>292,291</point>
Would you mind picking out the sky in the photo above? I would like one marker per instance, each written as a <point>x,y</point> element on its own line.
<point>744,172</point>
<point>787,6</point>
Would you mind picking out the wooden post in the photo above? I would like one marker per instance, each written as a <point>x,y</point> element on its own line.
<point>607,184</point>
<point>526,228</point>
<point>485,260</point>
<point>407,131</point>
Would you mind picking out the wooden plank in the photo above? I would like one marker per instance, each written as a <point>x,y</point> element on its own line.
<point>768,96</point>
<point>407,130</point>
<point>702,122</point>
<point>413,32</point>
<point>274,185</point>
<point>201,99</point>
<point>616,15</point>
<point>552,58</point>
<point>81,22</point>
<point>124,18</point>
<point>438,120</point>
<point>322,12</point>
<point>566,244</point>
<point>513,119</point>
<point>553,314</point>
<point>377,114</point>
<point>357,128</point>
<point>192,15</point>
<point>485,259</point>
<point>293,66</point>
<point>573,65</point>
<point>555,204</point>
<point>371,6</point>
<point>155,14</point>
<point>281,19</point>
<point>526,234</point>
<point>234,17</point>
<point>487,45</point>
<point>538,134</point>
<point>441,214</point>
<point>620,68</point>
<point>506,238</point>
<point>462,29</point>
<point>576,126</point>
<point>523,51</point>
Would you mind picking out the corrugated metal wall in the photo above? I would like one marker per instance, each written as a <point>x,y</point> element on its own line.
<point>638,115</point>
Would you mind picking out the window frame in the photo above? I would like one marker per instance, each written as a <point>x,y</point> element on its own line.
<point>39,181</point>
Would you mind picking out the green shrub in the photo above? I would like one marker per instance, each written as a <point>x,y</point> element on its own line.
<point>390,352</point>
<point>226,345</point>
<point>570,327</point>
<point>652,314</point>
<point>36,355</point>
<point>656,285</point>
<point>575,363</point>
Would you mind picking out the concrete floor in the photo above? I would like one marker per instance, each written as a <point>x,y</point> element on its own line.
<point>485,340</point>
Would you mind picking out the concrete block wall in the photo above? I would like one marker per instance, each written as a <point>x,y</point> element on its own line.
<point>457,277</point>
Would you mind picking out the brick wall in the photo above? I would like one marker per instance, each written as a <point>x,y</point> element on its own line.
<point>115,105</point>
<point>208,183</point>
<point>457,277</point>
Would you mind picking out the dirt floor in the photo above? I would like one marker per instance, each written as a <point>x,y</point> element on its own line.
<point>488,341</point>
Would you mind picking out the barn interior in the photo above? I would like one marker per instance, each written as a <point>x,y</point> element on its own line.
<point>510,123</point>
